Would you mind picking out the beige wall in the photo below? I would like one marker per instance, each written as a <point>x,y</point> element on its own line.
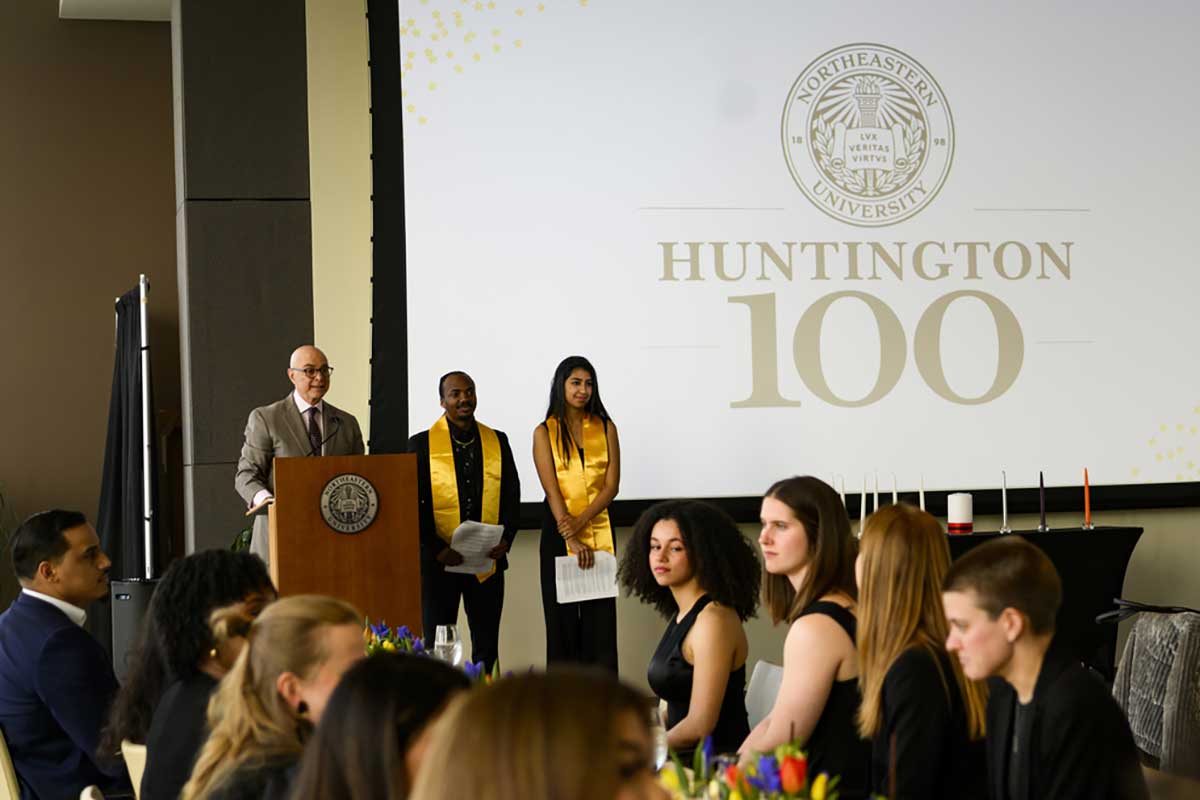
<point>339,142</point>
<point>1164,565</point>
<point>86,203</point>
<point>1163,571</point>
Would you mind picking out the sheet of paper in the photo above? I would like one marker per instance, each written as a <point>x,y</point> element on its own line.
<point>473,541</point>
<point>575,585</point>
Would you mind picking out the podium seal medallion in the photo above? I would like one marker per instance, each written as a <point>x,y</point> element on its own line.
<point>349,503</point>
<point>867,134</point>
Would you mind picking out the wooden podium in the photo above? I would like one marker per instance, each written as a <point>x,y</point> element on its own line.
<point>378,569</point>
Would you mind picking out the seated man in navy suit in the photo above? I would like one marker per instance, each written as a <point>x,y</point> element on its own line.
<point>56,682</point>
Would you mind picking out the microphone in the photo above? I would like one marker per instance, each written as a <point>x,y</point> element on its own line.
<point>335,422</point>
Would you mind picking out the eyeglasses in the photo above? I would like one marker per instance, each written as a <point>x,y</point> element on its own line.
<point>311,372</point>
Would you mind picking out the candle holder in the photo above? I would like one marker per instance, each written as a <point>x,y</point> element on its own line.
<point>1005,529</point>
<point>1043,528</point>
<point>1088,526</point>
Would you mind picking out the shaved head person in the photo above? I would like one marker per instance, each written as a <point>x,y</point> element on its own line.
<point>301,424</point>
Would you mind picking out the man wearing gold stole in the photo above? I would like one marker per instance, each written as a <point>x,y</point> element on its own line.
<point>578,459</point>
<point>465,471</point>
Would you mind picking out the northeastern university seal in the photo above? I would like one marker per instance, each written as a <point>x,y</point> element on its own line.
<point>349,503</point>
<point>868,135</point>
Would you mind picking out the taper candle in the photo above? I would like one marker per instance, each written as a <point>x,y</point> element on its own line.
<point>862,505</point>
<point>1004,503</point>
<point>1042,498</point>
<point>922,496</point>
<point>894,498</point>
<point>875,505</point>
<point>1087,501</point>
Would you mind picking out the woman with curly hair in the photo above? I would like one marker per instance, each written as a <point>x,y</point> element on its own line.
<point>808,561</point>
<point>689,560</point>
<point>176,663</point>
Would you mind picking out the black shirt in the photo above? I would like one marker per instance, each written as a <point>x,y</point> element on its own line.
<point>468,473</point>
<point>834,746</point>
<point>924,733</point>
<point>177,732</point>
<point>1020,740</point>
<point>670,676</point>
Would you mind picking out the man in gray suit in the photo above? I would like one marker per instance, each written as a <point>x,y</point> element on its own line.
<point>301,424</point>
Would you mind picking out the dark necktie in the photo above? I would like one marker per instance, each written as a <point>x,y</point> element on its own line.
<point>314,431</point>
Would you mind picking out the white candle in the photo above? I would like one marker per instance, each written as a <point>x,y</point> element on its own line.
<point>894,500</point>
<point>922,492</point>
<point>862,506</point>
<point>1004,502</point>
<point>875,505</point>
<point>842,492</point>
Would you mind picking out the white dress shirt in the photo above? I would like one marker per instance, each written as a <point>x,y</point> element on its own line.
<point>74,613</point>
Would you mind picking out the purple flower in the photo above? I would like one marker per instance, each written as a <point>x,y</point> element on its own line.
<point>418,646</point>
<point>380,629</point>
<point>473,670</point>
<point>403,632</point>
<point>707,748</point>
<point>767,778</point>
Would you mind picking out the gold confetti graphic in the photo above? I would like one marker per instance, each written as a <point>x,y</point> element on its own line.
<point>1172,446</point>
<point>426,32</point>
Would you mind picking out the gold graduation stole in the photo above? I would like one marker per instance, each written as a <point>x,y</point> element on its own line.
<point>443,482</point>
<point>580,481</point>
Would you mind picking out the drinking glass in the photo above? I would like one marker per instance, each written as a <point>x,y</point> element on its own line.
<point>447,646</point>
<point>658,733</point>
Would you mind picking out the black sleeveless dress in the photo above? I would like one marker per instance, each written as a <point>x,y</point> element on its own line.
<point>834,745</point>
<point>670,676</point>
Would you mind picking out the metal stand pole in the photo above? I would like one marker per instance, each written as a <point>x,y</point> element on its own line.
<point>147,462</point>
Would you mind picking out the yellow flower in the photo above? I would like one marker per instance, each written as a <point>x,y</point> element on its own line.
<point>669,779</point>
<point>734,794</point>
<point>389,646</point>
<point>817,792</point>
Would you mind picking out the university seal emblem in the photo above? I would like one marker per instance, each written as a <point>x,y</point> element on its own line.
<point>349,503</point>
<point>868,135</point>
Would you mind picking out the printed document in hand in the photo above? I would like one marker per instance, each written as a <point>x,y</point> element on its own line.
<point>575,585</point>
<point>473,541</point>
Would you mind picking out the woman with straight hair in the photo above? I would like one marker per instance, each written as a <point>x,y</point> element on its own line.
<point>808,583</point>
<point>925,719</point>
<point>368,745</point>
<point>689,560</point>
<point>266,707</point>
<point>578,460</point>
<point>564,734</point>
<point>176,664</point>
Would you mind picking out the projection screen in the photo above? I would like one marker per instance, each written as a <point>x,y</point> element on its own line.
<point>926,239</point>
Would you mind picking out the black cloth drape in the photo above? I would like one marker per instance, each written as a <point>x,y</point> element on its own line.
<point>119,522</point>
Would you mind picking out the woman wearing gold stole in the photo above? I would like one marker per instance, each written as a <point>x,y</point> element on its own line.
<point>578,459</point>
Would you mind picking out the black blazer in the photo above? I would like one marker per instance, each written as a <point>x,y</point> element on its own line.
<point>510,500</point>
<point>56,684</point>
<point>925,721</point>
<point>1079,743</point>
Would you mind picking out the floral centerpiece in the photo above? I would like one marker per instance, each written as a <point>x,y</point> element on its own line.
<point>781,774</point>
<point>379,638</point>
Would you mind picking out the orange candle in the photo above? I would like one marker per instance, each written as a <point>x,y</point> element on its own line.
<point>1087,501</point>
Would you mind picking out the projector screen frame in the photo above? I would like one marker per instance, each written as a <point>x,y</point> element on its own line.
<point>389,401</point>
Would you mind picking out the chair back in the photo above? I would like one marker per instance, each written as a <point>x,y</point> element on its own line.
<point>760,694</point>
<point>10,788</point>
<point>1157,688</point>
<point>135,762</point>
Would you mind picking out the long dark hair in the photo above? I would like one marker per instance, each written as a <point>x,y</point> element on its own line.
<point>557,406</point>
<point>175,636</point>
<point>724,563</point>
<point>376,712</point>
<point>832,549</point>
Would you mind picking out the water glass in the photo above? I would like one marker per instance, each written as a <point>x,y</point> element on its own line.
<point>447,646</point>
